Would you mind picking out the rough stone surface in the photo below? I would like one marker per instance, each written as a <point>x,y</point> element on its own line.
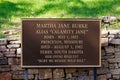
<point>115,41</point>
<point>3,41</point>
<point>102,77</point>
<point>10,60</point>
<point>83,78</point>
<point>58,73</point>
<point>15,42</point>
<point>114,31</point>
<point>116,77</point>
<point>1,55</point>
<point>19,51</point>
<point>18,72</point>
<point>13,46</point>
<point>10,52</point>
<point>91,73</point>
<point>114,60</point>
<point>102,71</point>
<point>104,41</point>
<point>108,75</point>
<point>103,52</point>
<point>13,61</point>
<point>3,61</point>
<point>33,71</point>
<point>19,77</point>
<point>45,73</point>
<point>115,71</point>
<point>68,76</point>
<point>2,48</point>
<point>16,67</point>
<point>104,64</point>
<point>5,68</point>
<point>70,70</point>
<point>109,49</point>
<point>5,76</point>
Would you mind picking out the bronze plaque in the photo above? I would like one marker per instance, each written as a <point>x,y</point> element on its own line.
<point>61,43</point>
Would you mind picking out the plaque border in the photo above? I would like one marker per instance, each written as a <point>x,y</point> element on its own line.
<point>62,19</point>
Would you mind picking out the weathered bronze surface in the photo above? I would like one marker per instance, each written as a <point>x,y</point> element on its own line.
<point>61,43</point>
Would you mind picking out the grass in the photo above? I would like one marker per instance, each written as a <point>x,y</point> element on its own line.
<point>11,11</point>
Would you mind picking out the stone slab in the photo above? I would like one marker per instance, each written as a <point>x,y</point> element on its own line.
<point>5,76</point>
<point>3,41</point>
<point>109,49</point>
<point>45,74</point>
<point>102,77</point>
<point>58,73</point>
<point>114,60</point>
<point>33,71</point>
<point>5,68</point>
<point>3,48</point>
<point>115,41</point>
<point>22,77</point>
<point>104,41</point>
<point>3,61</point>
<point>13,61</point>
<point>1,55</point>
<point>13,46</point>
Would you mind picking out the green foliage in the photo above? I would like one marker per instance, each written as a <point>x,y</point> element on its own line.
<point>11,11</point>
